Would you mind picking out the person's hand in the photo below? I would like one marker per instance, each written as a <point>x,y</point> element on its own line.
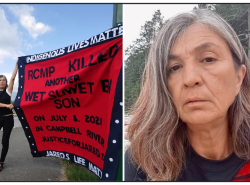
<point>10,106</point>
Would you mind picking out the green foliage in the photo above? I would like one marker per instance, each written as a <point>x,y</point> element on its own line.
<point>135,62</point>
<point>76,172</point>
<point>133,72</point>
<point>237,16</point>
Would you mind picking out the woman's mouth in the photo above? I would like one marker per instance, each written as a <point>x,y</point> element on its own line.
<point>194,101</point>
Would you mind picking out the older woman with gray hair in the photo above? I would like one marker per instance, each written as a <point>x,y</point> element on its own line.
<point>191,121</point>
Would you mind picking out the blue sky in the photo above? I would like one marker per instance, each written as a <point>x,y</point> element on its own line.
<point>28,29</point>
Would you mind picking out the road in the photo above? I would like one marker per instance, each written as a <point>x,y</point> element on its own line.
<point>21,166</point>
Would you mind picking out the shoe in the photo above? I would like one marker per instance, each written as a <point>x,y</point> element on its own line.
<point>1,166</point>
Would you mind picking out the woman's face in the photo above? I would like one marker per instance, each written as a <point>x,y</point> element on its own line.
<point>203,80</point>
<point>3,83</point>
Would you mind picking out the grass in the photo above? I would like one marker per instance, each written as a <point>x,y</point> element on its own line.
<point>77,172</point>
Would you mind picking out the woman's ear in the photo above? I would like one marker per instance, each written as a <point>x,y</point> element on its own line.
<point>241,72</point>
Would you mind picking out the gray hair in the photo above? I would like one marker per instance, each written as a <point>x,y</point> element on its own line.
<point>158,137</point>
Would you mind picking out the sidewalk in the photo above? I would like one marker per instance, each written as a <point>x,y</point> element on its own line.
<point>21,166</point>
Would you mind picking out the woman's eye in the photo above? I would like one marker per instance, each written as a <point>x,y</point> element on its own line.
<point>174,68</point>
<point>208,60</point>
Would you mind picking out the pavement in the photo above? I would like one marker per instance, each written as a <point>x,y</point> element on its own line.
<point>21,166</point>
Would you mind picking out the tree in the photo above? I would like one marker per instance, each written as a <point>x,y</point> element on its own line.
<point>237,16</point>
<point>136,53</point>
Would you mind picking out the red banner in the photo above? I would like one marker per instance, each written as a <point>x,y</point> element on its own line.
<point>65,103</point>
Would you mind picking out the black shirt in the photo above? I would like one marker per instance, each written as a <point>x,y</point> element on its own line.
<point>197,168</point>
<point>132,172</point>
<point>6,99</point>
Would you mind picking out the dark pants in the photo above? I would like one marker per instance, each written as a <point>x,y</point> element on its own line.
<point>7,123</point>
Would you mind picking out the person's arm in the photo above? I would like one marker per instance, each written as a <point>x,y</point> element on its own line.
<point>10,106</point>
<point>11,84</point>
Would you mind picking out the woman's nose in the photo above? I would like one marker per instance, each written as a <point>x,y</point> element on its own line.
<point>192,76</point>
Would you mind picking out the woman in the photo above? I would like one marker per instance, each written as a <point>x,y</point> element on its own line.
<point>191,121</point>
<point>6,115</point>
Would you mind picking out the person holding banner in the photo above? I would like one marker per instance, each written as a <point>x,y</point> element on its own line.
<point>191,121</point>
<point>6,114</point>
